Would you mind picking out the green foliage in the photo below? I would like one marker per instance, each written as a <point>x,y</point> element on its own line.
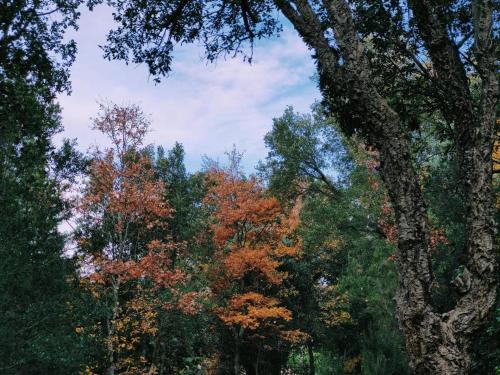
<point>36,317</point>
<point>224,28</point>
<point>304,148</point>
<point>184,192</point>
<point>36,330</point>
<point>343,245</point>
<point>33,43</point>
<point>185,339</point>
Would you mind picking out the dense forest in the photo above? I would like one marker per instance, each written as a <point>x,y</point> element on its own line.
<point>364,243</point>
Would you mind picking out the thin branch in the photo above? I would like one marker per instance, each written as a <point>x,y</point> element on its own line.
<point>465,39</point>
<point>49,12</point>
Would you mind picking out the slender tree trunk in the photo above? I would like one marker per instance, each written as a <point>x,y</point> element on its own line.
<point>310,352</point>
<point>114,314</point>
<point>257,360</point>
<point>163,358</point>
<point>237,355</point>
<point>237,362</point>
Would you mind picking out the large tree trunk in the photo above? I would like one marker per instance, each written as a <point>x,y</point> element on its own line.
<point>437,343</point>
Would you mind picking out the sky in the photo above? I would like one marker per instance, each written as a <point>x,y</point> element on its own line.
<point>206,107</point>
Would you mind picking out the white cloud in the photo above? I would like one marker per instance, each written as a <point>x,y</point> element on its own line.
<point>206,107</point>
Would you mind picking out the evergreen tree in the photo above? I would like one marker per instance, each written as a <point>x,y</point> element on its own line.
<point>36,280</point>
<point>36,328</point>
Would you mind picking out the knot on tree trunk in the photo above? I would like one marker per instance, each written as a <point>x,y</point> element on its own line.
<point>463,280</point>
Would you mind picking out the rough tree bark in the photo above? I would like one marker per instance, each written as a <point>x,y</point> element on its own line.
<point>437,343</point>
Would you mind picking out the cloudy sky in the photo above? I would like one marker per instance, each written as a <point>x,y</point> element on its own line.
<point>206,107</point>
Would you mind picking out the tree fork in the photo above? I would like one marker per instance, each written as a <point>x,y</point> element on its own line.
<point>436,343</point>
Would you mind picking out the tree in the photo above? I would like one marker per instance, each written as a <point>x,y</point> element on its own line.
<point>345,280</point>
<point>303,150</point>
<point>184,192</point>
<point>186,340</point>
<point>127,260</point>
<point>38,334</point>
<point>36,278</point>
<point>250,234</point>
<point>33,44</point>
<point>384,67</point>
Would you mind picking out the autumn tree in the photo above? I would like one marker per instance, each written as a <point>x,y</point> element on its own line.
<point>127,261</point>
<point>251,237</point>
<point>384,68</point>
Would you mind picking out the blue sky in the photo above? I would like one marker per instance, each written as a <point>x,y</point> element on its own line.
<point>206,107</point>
